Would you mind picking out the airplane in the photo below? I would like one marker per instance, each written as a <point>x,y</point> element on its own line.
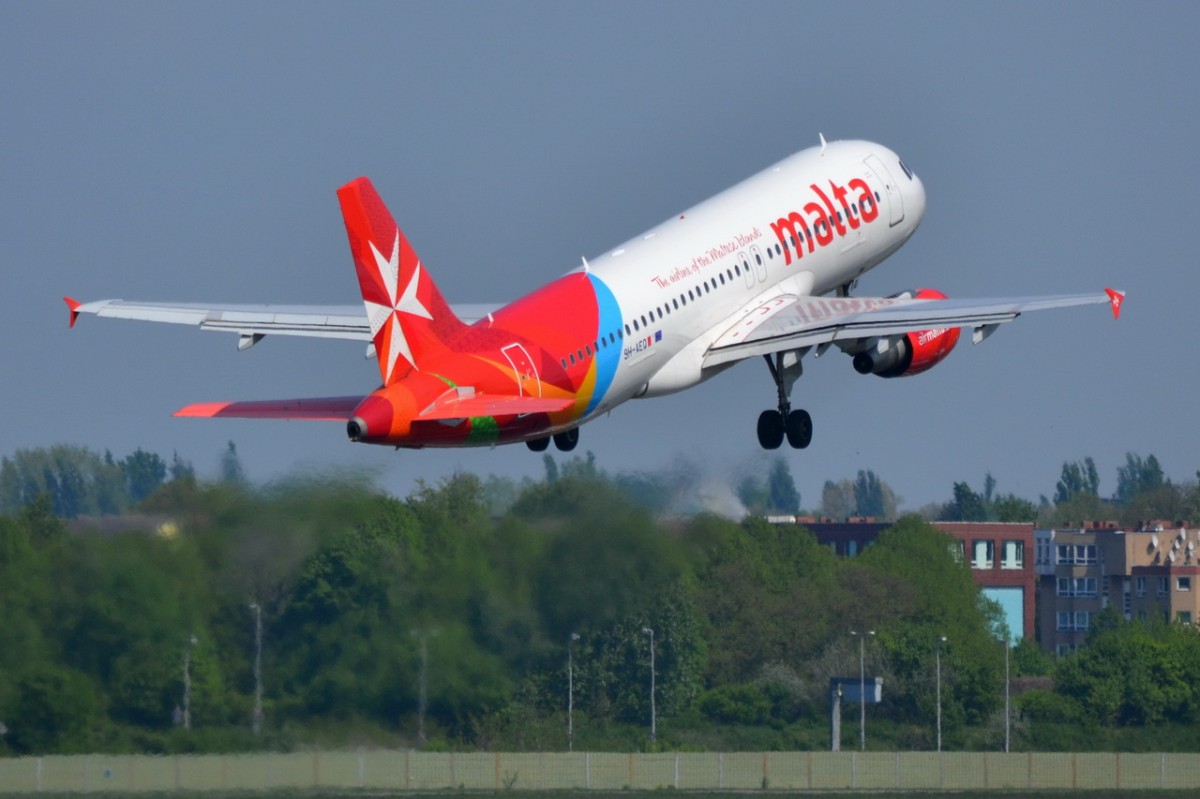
<point>763,269</point>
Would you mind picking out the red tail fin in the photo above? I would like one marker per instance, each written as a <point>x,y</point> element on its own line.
<point>409,318</point>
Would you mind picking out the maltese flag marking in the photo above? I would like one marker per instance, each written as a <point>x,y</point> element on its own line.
<point>388,270</point>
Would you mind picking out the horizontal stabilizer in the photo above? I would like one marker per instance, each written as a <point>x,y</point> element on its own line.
<point>474,405</point>
<point>317,409</point>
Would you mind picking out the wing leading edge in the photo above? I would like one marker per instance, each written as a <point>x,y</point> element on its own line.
<point>813,321</point>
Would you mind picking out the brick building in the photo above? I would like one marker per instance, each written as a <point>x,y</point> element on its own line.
<point>996,552</point>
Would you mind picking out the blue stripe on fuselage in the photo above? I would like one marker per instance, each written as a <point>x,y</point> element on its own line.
<point>608,358</point>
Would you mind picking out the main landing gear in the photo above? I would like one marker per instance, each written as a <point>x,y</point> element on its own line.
<point>795,425</point>
<point>565,441</point>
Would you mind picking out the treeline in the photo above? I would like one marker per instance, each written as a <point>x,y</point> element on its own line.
<point>454,611</point>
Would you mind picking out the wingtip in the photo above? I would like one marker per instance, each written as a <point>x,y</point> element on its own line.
<point>73,307</point>
<point>201,410</point>
<point>1116,299</point>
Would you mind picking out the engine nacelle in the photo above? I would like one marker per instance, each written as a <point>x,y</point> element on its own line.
<point>909,353</point>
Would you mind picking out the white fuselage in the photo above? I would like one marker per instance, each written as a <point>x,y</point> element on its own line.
<point>682,284</point>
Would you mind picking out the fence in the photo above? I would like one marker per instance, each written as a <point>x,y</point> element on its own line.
<point>403,770</point>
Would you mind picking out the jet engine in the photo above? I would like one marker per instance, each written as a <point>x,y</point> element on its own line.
<point>908,353</point>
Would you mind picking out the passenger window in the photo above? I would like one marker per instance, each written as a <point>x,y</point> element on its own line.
<point>627,330</point>
<point>564,363</point>
<point>722,279</point>
<point>572,359</point>
<point>778,250</point>
<point>635,325</point>
<point>676,304</point>
<point>758,259</point>
<point>644,322</point>
<point>588,348</point>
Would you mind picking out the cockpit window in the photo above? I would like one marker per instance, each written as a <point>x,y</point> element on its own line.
<point>907,171</point>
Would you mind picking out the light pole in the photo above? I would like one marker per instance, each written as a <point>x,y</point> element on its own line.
<point>422,694</point>
<point>653,715</point>
<point>862,686</point>
<point>571,693</point>
<point>941,640</point>
<point>1007,706</point>
<point>187,683</point>
<point>256,719</point>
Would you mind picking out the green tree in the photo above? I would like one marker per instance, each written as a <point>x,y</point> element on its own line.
<point>1138,476</point>
<point>967,506</point>
<point>53,712</point>
<point>785,499</point>
<point>873,497</point>
<point>1133,673</point>
<point>144,472</point>
<point>1077,478</point>
<point>231,466</point>
<point>838,500</point>
<point>940,598</point>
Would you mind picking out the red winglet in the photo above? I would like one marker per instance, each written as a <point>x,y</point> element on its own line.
<point>1115,299</point>
<point>73,305</point>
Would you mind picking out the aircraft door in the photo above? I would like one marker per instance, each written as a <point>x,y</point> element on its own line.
<point>760,266</point>
<point>528,382</point>
<point>892,193</point>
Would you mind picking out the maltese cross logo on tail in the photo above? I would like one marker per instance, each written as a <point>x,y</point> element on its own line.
<point>394,343</point>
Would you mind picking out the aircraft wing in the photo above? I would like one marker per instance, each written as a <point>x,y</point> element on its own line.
<point>252,322</point>
<point>791,323</point>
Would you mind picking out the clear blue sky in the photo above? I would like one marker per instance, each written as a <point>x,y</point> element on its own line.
<point>191,151</point>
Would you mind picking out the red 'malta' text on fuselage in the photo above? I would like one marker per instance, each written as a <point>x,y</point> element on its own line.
<point>819,222</point>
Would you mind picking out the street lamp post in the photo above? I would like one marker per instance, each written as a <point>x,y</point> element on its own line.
<point>1007,694</point>
<point>653,715</point>
<point>862,686</point>
<point>256,719</point>
<point>422,691</point>
<point>941,640</point>
<point>187,683</point>
<point>571,693</point>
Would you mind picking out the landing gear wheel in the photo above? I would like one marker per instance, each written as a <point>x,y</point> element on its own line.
<point>567,439</point>
<point>799,429</point>
<point>538,444</point>
<point>770,429</point>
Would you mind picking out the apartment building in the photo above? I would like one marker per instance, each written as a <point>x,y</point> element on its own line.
<point>1146,573</point>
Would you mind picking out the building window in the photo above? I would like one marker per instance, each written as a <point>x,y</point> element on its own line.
<point>1183,583</point>
<point>851,548</point>
<point>1076,554</point>
<point>1076,587</point>
<point>1140,585</point>
<point>1014,555</point>
<point>1073,622</point>
<point>983,554</point>
<point>1162,587</point>
<point>957,551</point>
<point>1184,617</point>
<point>1065,649</point>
